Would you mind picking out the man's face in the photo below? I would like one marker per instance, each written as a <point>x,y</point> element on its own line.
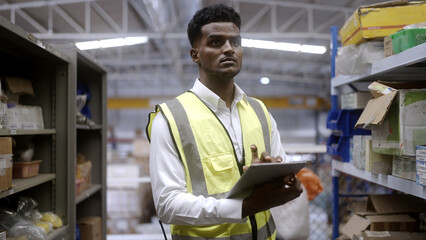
<point>218,52</point>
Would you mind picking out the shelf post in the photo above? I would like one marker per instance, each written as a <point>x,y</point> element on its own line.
<point>335,201</point>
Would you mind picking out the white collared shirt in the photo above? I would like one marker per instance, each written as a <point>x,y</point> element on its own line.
<point>173,204</point>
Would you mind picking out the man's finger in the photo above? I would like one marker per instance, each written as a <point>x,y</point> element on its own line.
<point>265,157</point>
<point>254,154</point>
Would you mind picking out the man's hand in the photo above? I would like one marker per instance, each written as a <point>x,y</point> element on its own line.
<point>271,194</point>
<point>264,157</point>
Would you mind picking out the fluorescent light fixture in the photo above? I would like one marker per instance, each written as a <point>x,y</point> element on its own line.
<point>283,46</point>
<point>113,42</point>
<point>265,80</point>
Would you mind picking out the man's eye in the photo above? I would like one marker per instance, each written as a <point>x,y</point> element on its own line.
<point>236,42</point>
<point>216,42</point>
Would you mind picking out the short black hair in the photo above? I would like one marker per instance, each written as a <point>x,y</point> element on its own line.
<point>210,14</point>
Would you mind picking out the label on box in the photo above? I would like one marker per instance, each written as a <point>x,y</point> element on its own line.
<point>421,165</point>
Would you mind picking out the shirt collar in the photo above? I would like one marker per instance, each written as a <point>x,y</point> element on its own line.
<point>212,99</point>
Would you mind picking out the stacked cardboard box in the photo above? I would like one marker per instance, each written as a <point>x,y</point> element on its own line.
<point>5,163</point>
<point>385,213</point>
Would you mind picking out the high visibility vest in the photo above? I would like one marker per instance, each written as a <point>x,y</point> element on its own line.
<point>211,165</point>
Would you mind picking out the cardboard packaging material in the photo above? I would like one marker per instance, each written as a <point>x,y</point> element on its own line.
<point>25,117</point>
<point>83,176</point>
<point>90,228</point>
<point>359,151</point>
<point>397,119</point>
<point>404,167</point>
<point>375,162</point>
<point>395,222</point>
<point>379,20</point>
<point>16,86</point>
<point>386,212</point>
<point>394,204</point>
<point>5,163</point>
<point>421,165</point>
<point>387,235</point>
<point>355,100</point>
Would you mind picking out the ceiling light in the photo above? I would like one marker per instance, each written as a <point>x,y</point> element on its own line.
<point>114,42</point>
<point>265,80</point>
<point>283,46</point>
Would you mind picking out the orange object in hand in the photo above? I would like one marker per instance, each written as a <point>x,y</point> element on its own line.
<point>311,182</point>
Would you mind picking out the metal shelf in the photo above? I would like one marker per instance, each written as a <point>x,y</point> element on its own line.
<point>87,193</point>
<point>19,185</point>
<point>9,132</point>
<point>87,127</point>
<point>401,67</point>
<point>400,184</point>
<point>58,233</point>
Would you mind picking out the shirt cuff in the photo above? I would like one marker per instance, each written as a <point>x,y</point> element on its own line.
<point>231,210</point>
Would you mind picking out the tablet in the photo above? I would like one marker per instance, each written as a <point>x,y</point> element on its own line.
<point>260,173</point>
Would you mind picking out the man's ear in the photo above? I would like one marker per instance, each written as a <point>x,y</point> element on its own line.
<point>194,55</point>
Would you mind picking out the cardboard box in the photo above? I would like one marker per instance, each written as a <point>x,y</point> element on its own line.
<point>399,222</point>
<point>387,235</point>
<point>83,174</point>
<point>90,228</point>
<point>379,20</point>
<point>387,46</point>
<point>404,167</point>
<point>375,162</point>
<point>359,151</point>
<point>355,100</point>
<point>395,119</point>
<point>421,165</point>
<point>394,204</point>
<point>395,222</point>
<point>25,117</point>
<point>6,157</point>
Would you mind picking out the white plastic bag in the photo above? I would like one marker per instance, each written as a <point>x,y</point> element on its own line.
<point>292,218</point>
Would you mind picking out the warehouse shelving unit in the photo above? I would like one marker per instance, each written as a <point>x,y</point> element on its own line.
<point>89,140</point>
<point>408,65</point>
<point>21,54</point>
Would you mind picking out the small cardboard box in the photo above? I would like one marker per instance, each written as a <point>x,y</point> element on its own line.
<point>396,119</point>
<point>404,167</point>
<point>380,20</point>
<point>421,165</point>
<point>5,163</point>
<point>394,204</point>
<point>90,228</point>
<point>394,222</point>
<point>387,235</point>
<point>355,100</point>
<point>375,162</point>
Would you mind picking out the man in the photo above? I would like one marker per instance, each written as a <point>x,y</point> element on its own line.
<point>203,141</point>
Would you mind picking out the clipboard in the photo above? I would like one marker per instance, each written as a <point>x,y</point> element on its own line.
<point>257,174</point>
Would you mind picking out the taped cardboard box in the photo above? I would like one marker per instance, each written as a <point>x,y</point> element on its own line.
<point>390,235</point>
<point>379,20</point>
<point>90,228</point>
<point>375,162</point>
<point>5,163</point>
<point>396,118</point>
<point>393,204</point>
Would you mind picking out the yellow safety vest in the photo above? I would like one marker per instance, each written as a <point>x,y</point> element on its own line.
<point>211,165</point>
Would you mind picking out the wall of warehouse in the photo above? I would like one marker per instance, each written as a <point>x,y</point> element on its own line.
<point>296,126</point>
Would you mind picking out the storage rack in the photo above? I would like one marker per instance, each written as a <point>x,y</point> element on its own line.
<point>89,140</point>
<point>21,54</point>
<point>408,65</point>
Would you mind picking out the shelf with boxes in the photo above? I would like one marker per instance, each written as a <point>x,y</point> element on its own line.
<point>89,139</point>
<point>34,122</point>
<point>395,118</point>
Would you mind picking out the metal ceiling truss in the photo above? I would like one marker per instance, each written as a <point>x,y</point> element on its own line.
<point>166,35</point>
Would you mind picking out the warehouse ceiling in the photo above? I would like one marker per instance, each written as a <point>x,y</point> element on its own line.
<point>162,67</point>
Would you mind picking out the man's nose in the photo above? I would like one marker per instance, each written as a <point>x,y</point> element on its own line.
<point>228,46</point>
